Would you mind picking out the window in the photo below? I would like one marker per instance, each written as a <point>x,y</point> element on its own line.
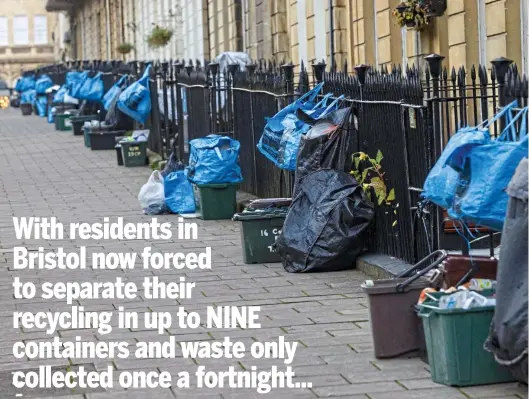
<point>41,29</point>
<point>20,28</point>
<point>3,32</point>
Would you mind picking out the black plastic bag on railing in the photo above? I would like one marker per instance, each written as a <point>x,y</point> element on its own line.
<point>325,146</point>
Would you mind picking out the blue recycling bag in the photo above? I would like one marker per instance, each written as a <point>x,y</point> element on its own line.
<point>42,105</point>
<point>294,128</point>
<point>214,159</point>
<point>179,196</point>
<point>28,97</point>
<point>74,77</point>
<point>58,97</point>
<point>273,132</point>
<point>75,83</point>
<point>92,89</point>
<point>25,83</point>
<point>487,170</point>
<point>135,100</point>
<point>43,84</point>
<point>114,91</point>
<point>51,115</point>
<point>441,183</point>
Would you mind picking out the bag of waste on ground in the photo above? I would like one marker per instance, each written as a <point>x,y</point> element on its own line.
<point>214,159</point>
<point>152,195</point>
<point>326,144</point>
<point>179,196</point>
<point>42,106</point>
<point>324,228</point>
<point>508,331</point>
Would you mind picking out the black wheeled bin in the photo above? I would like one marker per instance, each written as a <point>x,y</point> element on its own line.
<point>259,229</point>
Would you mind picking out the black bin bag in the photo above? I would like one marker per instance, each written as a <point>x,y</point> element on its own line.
<point>324,227</point>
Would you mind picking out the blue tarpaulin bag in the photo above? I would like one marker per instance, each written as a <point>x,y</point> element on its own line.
<point>75,83</point>
<point>179,196</point>
<point>294,128</point>
<point>58,97</point>
<point>74,77</point>
<point>25,83</point>
<point>486,172</point>
<point>51,115</point>
<point>269,143</point>
<point>441,183</point>
<point>214,159</point>
<point>43,84</point>
<point>135,100</point>
<point>92,89</point>
<point>42,105</point>
<point>110,96</point>
<point>28,97</point>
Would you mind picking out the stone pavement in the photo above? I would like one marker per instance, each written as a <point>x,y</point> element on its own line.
<point>48,173</point>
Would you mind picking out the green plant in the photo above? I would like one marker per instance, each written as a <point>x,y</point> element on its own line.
<point>125,48</point>
<point>159,36</point>
<point>368,173</point>
<point>412,13</point>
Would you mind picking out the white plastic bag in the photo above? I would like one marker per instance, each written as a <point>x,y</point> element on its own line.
<point>70,100</point>
<point>152,195</point>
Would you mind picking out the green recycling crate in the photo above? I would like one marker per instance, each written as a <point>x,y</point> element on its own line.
<point>259,229</point>
<point>63,123</point>
<point>134,153</point>
<point>454,341</point>
<point>215,201</point>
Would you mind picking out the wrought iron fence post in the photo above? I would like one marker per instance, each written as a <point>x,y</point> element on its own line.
<point>501,66</point>
<point>319,70</point>
<point>179,111</point>
<point>361,72</point>
<point>156,141</point>
<point>251,70</point>
<point>214,69</point>
<point>434,65</point>
<point>232,69</point>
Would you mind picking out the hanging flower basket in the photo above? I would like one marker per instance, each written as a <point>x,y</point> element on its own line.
<point>412,13</point>
<point>159,37</point>
<point>125,48</point>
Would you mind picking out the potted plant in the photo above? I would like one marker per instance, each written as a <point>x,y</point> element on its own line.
<point>159,36</point>
<point>125,48</point>
<point>412,13</point>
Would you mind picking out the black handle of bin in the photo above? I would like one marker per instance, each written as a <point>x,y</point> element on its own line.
<point>421,268</point>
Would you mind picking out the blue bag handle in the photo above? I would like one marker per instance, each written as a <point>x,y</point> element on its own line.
<point>505,110</point>
<point>509,133</point>
<point>323,102</point>
<point>311,95</point>
<point>331,107</point>
<point>122,80</point>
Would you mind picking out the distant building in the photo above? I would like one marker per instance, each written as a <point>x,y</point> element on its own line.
<point>98,27</point>
<point>26,37</point>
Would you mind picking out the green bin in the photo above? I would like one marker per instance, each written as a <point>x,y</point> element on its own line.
<point>454,341</point>
<point>63,123</point>
<point>259,229</point>
<point>215,201</point>
<point>134,153</point>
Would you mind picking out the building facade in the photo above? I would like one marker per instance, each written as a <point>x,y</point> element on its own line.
<point>27,37</point>
<point>353,31</point>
